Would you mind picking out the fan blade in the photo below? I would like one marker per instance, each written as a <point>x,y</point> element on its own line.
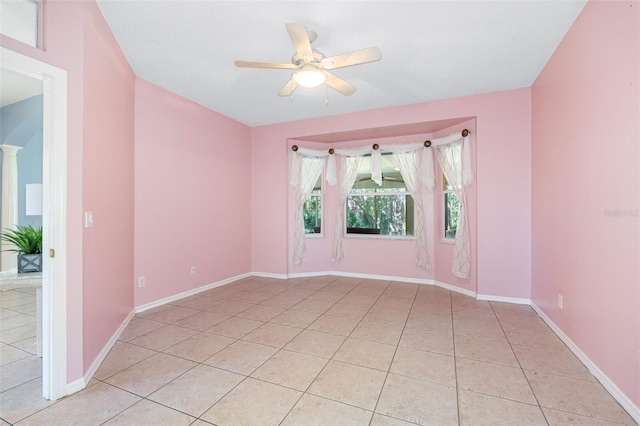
<point>288,88</point>
<point>362,56</point>
<point>250,64</point>
<point>339,84</point>
<point>300,39</point>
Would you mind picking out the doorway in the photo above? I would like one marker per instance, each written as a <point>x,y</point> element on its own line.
<point>54,216</point>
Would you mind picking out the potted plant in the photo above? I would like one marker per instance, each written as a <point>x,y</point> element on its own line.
<point>28,244</point>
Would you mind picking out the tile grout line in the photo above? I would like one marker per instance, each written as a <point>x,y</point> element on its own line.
<point>245,376</point>
<point>264,362</point>
<point>304,392</point>
<point>162,352</point>
<point>519,364</point>
<point>200,331</point>
<point>455,358</point>
<point>185,372</point>
<point>384,382</point>
<point>175,378</point>
<point>380,296</point>
<point>335,352</point>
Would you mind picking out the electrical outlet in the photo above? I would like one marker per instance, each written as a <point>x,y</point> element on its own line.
<point>193,270</point>
<point>560,301</point>
<point>141,282</point>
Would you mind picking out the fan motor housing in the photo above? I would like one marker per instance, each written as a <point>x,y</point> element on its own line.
<point>298,60</point>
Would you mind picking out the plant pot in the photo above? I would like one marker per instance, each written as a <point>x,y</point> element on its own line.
<point>29,263</point>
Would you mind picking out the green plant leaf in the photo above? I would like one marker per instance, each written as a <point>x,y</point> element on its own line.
<point>26,239</point>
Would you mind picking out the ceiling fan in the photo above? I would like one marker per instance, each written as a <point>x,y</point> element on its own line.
<point>311,65</point>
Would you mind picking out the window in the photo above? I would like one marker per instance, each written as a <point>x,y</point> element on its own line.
<point>19,20</point>
<point>312,210</point>
<point>385,210</point>
<point>451,210</point>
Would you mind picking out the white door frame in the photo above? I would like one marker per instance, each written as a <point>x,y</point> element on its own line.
<point>54,217</point>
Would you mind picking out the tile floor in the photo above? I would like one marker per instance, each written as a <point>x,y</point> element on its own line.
<point>18,344</point>
<point>322,351</point>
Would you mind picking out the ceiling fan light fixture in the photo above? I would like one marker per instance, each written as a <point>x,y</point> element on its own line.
<point>311,68</point>
<point>309,77</point>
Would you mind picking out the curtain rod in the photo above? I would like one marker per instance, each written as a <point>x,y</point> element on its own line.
<point>464,134</point>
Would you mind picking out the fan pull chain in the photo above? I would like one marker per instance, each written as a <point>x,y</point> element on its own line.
<point>326,95</point>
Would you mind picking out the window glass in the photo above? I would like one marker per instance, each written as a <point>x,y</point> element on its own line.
<point>385,210</point>
<point>312,210</point>
<point>451,210</point>
<point>19,20</point>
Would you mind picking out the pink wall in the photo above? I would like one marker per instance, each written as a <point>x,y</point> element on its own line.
<point>68,23</point>
<point>503,173</point>
<point>100,179</point>
<point>269,181</point>
<point>192,194</point>
<point>107,191</point>
<point>585,165</point>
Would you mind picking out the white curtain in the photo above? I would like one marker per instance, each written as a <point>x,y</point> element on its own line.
<point>307,172</point>
<point>376,167</point>
<point>348,173</point>
<point>408,164</point>
<point>450,159</point>
<point>428,175</point>
<point>454,156</point>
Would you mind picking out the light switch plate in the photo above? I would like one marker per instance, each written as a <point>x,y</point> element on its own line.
<point>88,219</point>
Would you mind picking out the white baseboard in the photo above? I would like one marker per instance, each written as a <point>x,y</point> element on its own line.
<point>514,300</point>
<point>426,281</point>
<point>82,383</point>
<point>339,274</point>
<point>188,293</point>
<point>75,386</point>
<point>270,275</point>
<point>623,400</point>
<point>453,288</point>
<point>381,277</point>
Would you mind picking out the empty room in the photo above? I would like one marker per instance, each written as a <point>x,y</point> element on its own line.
<point>319,212</point>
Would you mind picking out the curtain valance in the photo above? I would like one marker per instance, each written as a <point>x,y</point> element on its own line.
<point>376,150</point>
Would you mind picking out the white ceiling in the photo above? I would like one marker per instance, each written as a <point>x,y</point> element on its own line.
<point>430,50</point>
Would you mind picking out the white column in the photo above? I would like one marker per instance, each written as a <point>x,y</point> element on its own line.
<point>8,260</point>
